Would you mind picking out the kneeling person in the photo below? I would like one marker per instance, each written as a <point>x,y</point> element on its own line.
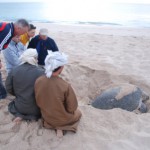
<point>20,83</point>
<point>55,97</point>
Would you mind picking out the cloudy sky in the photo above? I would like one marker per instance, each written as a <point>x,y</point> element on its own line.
<point>85,10</point>
<point>99,1</point>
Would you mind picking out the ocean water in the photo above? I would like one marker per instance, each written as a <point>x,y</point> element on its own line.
<point>121,14</point>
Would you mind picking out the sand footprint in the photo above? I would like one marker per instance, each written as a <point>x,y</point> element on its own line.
<point>11,127</point>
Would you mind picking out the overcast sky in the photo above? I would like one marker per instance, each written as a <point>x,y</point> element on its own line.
<point>100,1</point>
<point>86,10</point>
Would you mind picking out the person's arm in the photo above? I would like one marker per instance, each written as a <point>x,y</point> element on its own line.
<point>21,48</point>
<point>53,45</point>
<point>71,103</point>
<point>11,56</point>
<point>33,43</point>
<point>0,61</point>
<point>9,84</point>
<point>5,35</point>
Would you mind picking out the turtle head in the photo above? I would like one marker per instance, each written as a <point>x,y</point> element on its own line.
<point>145,96</point>
<point>143,108</point>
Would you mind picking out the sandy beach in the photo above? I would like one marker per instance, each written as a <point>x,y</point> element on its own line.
<point>99,56</point>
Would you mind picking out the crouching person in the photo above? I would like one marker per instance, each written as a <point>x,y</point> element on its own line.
<point>55,97</point>
<point>20,83</point>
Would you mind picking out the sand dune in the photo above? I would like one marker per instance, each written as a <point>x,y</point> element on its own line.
<point>98,58</point>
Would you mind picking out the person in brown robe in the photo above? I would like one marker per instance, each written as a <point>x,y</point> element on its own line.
<point>56,98</point>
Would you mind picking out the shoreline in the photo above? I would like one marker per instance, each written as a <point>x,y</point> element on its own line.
<point>84,24</point>
<point>105,30</point>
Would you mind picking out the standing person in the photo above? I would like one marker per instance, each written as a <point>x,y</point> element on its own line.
<point>20,83</point>
<point>55,97</point>
<point>43,43</point>
<point>25,38</point>
<point>12,53</point>
<point>7,32</point>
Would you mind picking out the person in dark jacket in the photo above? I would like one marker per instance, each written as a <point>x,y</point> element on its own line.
<point>43,43</point>
<point>7,32</point>
<point>20,83</point>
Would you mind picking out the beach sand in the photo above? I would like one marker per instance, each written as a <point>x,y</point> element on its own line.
<point>98,58</point>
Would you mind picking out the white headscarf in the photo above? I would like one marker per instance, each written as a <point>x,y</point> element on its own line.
<point>30,56</point>
<point>54,60</point>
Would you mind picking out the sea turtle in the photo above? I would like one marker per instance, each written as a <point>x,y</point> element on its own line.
<point>125,96</point>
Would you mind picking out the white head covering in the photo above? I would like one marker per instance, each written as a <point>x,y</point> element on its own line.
<point>30,56</point>
<point>43,31</point>
<point>54,60</point>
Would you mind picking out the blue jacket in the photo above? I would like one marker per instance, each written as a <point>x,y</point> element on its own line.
<point>12,54</point>
<point>6,34</point>
<point>42,46</point>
